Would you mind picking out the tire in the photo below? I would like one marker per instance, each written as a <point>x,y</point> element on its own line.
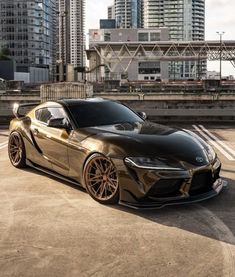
<point>101,179</point>
<point>16,150</point>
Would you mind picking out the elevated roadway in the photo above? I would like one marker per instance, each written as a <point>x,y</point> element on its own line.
<point>166,50</point>
<point>114,54</point>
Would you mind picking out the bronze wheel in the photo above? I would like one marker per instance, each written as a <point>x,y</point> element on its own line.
<point>16,150</point>
<point>101,179</point>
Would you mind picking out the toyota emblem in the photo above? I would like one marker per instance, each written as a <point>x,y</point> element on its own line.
<point>199,159</point>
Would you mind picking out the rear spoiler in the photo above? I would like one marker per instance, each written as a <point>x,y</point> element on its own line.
<point>17,107</point>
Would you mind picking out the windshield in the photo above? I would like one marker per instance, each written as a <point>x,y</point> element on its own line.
<point>90,114</point>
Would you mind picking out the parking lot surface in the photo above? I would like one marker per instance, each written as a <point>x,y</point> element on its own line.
<point>50,228</point>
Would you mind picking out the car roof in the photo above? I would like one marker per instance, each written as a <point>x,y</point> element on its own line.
<point>70,102</point>
<point>74,102</point>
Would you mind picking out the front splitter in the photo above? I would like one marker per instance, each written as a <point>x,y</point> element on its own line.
<point>217,188</point>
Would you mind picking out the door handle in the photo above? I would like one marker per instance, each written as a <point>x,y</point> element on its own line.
<point>35,131</point>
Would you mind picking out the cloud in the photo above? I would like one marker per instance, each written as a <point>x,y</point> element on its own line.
<point>220,17</point>
<point>96,10</point>
<point>217,3</point>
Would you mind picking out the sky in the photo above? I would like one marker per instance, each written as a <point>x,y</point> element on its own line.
<point>219,17</point>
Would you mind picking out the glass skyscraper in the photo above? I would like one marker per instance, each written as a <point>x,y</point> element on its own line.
<point>27,29</point>
<point>128,13</point>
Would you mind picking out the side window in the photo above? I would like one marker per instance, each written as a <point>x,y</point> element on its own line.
<point>38,114</point>
<point>45,114</point>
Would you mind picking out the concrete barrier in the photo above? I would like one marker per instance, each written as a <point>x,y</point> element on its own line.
<point>159,107</point>
<point>190,112</point>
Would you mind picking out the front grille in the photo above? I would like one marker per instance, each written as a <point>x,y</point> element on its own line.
<point>201,183</point>
<point>166,188</point>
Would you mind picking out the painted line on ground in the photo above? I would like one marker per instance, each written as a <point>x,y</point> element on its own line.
<point>229,149</point>
<point>214,143</point>
<point>3,145</point>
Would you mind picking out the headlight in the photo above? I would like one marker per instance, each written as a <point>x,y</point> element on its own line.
<point>150,163</point>
<point>210,153</point>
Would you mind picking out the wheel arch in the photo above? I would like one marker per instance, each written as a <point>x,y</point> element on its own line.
<point>90,155</point>
<point>23,156</point>
<point>108,185</point>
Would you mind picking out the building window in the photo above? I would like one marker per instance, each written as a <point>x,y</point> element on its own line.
<point>107,37</point>
<point>149,68</point>
<point>154,36</point>
<point>143,36</point>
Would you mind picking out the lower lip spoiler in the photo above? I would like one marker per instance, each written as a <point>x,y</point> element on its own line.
<point>217,188</point>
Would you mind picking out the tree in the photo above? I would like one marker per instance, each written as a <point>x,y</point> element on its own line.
<point>4,53</point>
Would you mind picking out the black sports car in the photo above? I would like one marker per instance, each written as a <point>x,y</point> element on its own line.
<point>115,153</point>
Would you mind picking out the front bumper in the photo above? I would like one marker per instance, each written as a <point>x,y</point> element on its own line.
<point>142,188</point>
<point>160,203</point>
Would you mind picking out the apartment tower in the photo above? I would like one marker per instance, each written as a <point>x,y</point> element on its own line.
<point>71,32</point>
<point>186,21</point>
<point>111,12</point>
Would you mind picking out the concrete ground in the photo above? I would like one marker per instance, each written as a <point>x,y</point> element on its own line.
<point>50,228</point>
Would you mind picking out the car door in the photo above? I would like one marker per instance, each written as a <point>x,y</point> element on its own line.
<point>52,142</point>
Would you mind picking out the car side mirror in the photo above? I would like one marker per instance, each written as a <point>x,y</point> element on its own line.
<point>143,115</point>
<point>60,123</point>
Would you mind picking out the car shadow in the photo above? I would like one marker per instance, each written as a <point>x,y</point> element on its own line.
<point>41,173</point>
<point>213,218</point>
<point>229,170</point>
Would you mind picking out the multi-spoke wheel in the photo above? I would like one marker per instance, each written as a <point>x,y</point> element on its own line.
<point>16,150</point>
<point>101,179</point>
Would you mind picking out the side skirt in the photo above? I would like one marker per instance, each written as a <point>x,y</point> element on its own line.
<point>53,174</point>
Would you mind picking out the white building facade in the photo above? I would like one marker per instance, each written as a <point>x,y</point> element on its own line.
<point>71,32</point>
<point>126,54</point>
<point>111,12</point>
<point>184,18</point>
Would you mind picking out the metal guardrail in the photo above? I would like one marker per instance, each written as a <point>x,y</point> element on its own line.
<point>191,112</point>
<point>171,96</point>
<point>2,86</point>
<point>65,90</point>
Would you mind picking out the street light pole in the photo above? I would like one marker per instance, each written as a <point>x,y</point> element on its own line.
<point>62,44</point>
<point>221,36</point>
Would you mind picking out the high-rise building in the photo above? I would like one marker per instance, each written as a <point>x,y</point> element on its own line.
<point>186,21</point>
<point>184,18</point>
<point>71,32</point>
<point>64,31</point>
<point>128,13</point>
<point>111,12</point>
<point>27,29</point>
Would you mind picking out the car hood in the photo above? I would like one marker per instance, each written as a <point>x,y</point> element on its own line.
<point>151,139</point>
